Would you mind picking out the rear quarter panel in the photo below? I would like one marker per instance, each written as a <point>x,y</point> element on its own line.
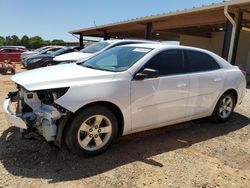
<point>235,80</point>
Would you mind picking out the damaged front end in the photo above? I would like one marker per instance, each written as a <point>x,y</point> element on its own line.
<point>35,110</point>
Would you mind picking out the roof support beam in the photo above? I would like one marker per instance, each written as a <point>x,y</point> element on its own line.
<point>148,31</point>
<point>237,36</point>
<point>105,37</point>
<point>227,39</point>
<point>232,35</point>
<point>81,40</point>
<point>185,21</point>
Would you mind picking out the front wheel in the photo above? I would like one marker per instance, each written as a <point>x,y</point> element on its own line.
<point>224,108</point>
<point>92,131</point>
<point>13,71</point>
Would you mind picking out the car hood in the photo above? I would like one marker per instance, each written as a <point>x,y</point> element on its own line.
<point>29,52</point>
<point>40,56</point>
<point>66,75</point>
<point>73,56</point>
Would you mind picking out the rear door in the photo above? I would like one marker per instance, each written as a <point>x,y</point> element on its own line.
<point>155,101</point>
<point>206,81</point>
<point>15,55</point>
<point>12,54</point>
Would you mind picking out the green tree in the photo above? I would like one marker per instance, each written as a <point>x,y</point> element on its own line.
<point>2,41</point>
<point>36,42</point>
<point>46,42</point>
<point>33,42</point>
<point>25,41</point>
<point>57,41</point>
<point>8,41</point>
<point>15,40</point>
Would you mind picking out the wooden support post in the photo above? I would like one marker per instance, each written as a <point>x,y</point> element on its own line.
<point>148,32</point>
<point>106,37</point>
<point>237,36</point>
<point>227,39</point>
<point>81,40</point>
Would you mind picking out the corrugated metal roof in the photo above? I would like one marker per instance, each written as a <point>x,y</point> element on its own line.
<point>171,13</point>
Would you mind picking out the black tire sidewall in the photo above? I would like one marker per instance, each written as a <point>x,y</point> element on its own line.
<point>216,114</point>
<point>72,131</point>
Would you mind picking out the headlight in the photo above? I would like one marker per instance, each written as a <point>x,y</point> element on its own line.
<point>34,60</point>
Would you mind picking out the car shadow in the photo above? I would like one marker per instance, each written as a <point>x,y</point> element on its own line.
<point>38,159</point>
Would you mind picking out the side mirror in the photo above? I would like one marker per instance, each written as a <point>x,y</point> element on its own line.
<point>147,73</point>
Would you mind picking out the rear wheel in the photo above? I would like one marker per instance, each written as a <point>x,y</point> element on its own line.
<point>224,108</point>
<point>47,64</point>
<point>3,71</point>
<point>92,131</point>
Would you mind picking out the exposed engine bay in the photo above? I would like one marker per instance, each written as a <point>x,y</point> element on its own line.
<point>38,110</point>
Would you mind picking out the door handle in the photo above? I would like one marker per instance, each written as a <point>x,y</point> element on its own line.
<point>217,79</point>
<point>181,85</point>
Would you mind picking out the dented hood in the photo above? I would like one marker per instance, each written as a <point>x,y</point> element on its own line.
<point>60,76</point>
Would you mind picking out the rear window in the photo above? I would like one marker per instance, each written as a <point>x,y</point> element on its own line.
<point>200,62</point>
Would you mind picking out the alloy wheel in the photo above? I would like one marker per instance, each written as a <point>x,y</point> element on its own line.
<point>226,107</point>
<point>94,132</point>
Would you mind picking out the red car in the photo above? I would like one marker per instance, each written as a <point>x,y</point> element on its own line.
<point>11,54</point>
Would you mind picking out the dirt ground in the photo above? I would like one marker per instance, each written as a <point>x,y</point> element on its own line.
<point>194,154</point>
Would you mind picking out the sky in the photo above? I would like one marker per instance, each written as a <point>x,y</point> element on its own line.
<point>53,19</point>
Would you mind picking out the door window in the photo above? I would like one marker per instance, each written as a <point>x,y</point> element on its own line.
<point>200,62</point>
<point>168,62</point>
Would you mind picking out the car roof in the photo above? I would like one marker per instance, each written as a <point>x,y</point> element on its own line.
<point>149,45</point>
<point>11,48</point>
<point>115,41</point>
<point>21,47</point>
<point>166,46</point>
<point>162,46</point>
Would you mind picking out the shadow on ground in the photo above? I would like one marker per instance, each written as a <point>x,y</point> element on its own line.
<point>38,159</point>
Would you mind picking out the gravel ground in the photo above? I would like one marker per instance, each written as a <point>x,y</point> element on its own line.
<point>194,154</point>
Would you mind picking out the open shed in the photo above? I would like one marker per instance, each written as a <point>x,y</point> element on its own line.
<point>223,28</point>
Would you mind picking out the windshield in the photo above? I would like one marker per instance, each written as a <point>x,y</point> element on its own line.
<point>44,51</point>
<point>116,59</point>
<point>95,47</point>
<point>40,49</point>
<point>59,52</point>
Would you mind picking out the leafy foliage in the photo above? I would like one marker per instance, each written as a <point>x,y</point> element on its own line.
<point>30,43</point>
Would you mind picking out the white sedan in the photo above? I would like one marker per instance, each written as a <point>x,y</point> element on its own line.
<point>124,90</point>
<point>95,49</point>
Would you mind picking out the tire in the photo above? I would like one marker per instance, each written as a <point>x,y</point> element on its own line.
<point>47,64</point>
<point>3,71</point>
<point>224,108</point>
<point>84,135</point>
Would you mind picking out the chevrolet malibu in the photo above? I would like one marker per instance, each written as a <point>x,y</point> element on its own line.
<point>123,90</point>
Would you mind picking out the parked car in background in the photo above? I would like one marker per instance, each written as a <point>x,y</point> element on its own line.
<point>44,60</point>
<point>21,47</point>
<point>94,49</point>
<point>32,52</point>
<point>46,50</point>
<point>124,90</point>
<point>11,54</point>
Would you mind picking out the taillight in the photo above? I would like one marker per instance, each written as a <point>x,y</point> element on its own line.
<point>244,73</point>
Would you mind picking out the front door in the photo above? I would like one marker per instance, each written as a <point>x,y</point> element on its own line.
<point>156,101</point>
